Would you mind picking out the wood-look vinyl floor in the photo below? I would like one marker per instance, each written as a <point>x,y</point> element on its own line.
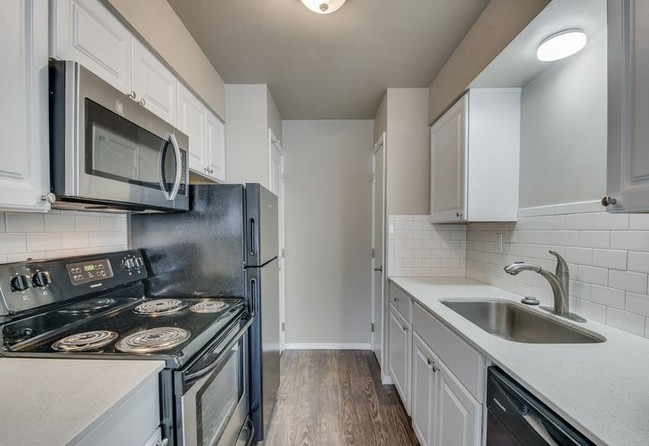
<point>331,398</point>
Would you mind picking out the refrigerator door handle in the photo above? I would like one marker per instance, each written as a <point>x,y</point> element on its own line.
<point>253,297</point>
<point>253,237</point>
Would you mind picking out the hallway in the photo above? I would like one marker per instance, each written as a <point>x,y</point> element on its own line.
<point>331,398</point>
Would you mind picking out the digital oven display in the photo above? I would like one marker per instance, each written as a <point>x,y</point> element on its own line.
<point>89,271</point>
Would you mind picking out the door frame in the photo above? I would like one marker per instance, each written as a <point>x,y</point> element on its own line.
<point>380,144</point>
<point>275,144</point>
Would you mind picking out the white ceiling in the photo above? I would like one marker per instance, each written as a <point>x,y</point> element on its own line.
<point>334,66</point>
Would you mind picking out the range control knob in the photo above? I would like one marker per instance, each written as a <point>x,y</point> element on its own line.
<point>41,278</point>
<point>128,264</point>
<point>19,283</point>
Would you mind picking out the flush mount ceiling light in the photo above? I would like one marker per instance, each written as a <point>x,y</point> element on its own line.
<point>560,45</point>
<point>323,6</point>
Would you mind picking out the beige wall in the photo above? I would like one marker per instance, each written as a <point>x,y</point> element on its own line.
<point>163,30</point>
<point>274,118</point>
<point>328,215</point>
<point>499,23</point>
<point>408,152</point>
<point>381,118</point>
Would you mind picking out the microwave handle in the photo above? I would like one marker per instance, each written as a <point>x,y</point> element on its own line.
<point>179,167</point>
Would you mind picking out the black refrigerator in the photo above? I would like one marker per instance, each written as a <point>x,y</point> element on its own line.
<point>226,245</point>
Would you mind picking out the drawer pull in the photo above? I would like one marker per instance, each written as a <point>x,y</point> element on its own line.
<point>395,299</point>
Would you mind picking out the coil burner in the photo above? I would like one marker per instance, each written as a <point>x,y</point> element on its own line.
<point>88,307</point>
<point>83,342</point>
<point>208,307</point>
<point>153,340</point>
<point>159,307</point>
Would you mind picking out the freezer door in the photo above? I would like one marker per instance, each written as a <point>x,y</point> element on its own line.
<point>262,241</point>
<point>263,286</point>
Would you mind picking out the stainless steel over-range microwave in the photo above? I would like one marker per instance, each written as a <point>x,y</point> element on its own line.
<point>107,152</point>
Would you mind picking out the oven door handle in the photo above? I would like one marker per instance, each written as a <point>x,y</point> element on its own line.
<point>195,376</point>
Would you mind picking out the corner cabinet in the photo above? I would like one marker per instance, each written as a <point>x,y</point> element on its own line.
<point>24,172</point>
<point>475,151</point>
<point>628,106</point>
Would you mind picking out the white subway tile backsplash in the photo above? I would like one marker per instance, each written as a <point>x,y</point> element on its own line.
<point>580,221</point>
<point>631,240</point>
<point>611,221</point>
<point>638,221</point>
<point>25,222</point>
<point>594,239</point>
<point>592,274</point>
<point>59,233</point>
<point>608,296</point>
<point>639,261</point>
<point>626,321</point>
<point>637,303</point>
<point>582,256</point>
<point>609,258</point>
<point>627,280</point>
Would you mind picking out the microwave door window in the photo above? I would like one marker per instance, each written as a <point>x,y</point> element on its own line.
<point>119,150</point>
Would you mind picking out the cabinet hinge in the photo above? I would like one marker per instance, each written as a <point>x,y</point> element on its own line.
<point>372,327</point>
<point>283,326</point>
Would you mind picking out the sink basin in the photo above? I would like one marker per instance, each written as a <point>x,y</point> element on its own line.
<point>515,322</point>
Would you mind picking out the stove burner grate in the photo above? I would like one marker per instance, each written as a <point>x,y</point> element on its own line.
<point>153,340</point>
<point>81,342</point>
<point>159,307</point>
<point>208,307</point>
<point>88,307</point>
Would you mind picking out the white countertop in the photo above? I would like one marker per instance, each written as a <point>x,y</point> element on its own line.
<point>59,401</point>
<point>601,389</point>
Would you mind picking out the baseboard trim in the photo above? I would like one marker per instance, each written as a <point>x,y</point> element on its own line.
<point>326,346</point>
<point>386,380</point>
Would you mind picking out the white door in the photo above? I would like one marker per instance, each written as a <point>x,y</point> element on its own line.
<point>447,170</point>
<point>399,347</point>
<point>24,173</point>
<point>191,121</point>
<point>459,415</point>
<point>86,32</point>
<point>154,86</point>
<point>215,147</point>
<point>378,235</point>
<point>277,187</point>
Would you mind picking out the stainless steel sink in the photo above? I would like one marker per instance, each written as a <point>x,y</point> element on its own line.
<point>515,322</point>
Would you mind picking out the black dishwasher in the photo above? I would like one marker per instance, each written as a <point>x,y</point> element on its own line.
<point>516,418</point>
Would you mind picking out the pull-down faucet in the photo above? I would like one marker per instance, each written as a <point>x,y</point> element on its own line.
<point>559,281</point>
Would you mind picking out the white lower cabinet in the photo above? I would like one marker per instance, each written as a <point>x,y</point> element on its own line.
<point>424,391</point>
<point>399,359</point>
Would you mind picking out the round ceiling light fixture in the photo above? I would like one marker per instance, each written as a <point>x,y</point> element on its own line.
<point>323,6</point>
<point>561,45</point>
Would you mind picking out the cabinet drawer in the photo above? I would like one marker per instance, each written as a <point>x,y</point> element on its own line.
<point>464,362</point>
<point>401,301</point>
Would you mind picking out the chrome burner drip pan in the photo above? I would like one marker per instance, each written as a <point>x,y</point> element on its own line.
<point>86,341</point>
<point>208,307</point>
<point>153,340</point>
<point>159,307</point>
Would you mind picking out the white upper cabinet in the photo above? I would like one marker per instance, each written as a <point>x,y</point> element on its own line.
<point>191,121</point>
<point>215,148</point>
<point>154,86</point>
<point>628,106</point>
<point>475,158</point>
<point>86,32</point>
<point>24,172</point>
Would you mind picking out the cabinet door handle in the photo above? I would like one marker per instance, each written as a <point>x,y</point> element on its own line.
<point>142,102</point>
<point>395,299</point>
<point>132,94</point>
<point>428,360</point>
<point>458,214</point>
<point>405,329</point>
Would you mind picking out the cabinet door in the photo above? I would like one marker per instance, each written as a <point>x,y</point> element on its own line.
<point>191,121</point>
<point>628,105</point>
<point>448,165</point>
<point>24,176</point>
<point>215,148</point>
<point>86,32</point>
<point>154,86</point>
<point>399,348</point>
<point>459,415</point>
<point>424,392</point>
